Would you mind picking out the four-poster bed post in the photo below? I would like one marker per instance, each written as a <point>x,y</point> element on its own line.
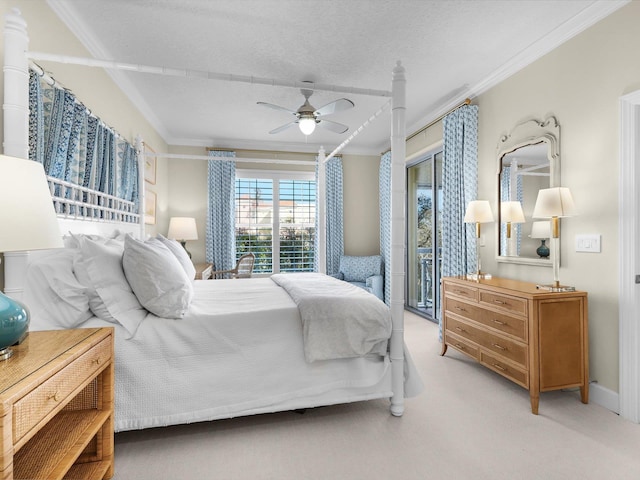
<point>16,140</point>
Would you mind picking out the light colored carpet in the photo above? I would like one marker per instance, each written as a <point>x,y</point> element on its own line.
<point>469,423</point>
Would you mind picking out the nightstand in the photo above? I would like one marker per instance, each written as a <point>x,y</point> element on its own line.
<point>56,406</point>
<point>203,271</point>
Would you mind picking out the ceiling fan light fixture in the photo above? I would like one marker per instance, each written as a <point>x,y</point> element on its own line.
<point>307,124</point>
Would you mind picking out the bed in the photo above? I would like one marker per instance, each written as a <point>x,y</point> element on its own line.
<point>239,347</point>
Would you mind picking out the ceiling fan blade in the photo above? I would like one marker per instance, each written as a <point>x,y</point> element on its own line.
<point>277,107</point>
<point>335,106</point>
<point>283,127</point>
<point>333,126</point>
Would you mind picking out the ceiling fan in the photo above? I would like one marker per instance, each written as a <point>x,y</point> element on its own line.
<point>307,117</point>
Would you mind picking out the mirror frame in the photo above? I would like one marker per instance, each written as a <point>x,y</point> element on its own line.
<point>529,132</point>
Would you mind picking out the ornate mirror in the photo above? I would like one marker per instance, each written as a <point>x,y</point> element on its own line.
<point>528,160</point>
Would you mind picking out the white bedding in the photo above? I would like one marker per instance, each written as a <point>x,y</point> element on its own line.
<point>239,350</point>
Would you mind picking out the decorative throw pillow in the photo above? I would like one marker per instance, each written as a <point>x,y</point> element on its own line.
<point>99,268</point>
<point>52,292</point>
<point>157,278</point>
<point>181,255</point>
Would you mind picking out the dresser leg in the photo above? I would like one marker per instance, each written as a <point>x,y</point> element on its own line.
<point>584,393</point>
<point>535,400</point>
<point>443,349</point>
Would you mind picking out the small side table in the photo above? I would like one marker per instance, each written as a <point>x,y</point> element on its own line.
<point>203,271</point>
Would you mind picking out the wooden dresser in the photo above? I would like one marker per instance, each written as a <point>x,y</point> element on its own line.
<point>56,406</point>
<point>535,338</point>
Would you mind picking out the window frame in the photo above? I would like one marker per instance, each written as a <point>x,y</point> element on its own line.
<point>275,176</point>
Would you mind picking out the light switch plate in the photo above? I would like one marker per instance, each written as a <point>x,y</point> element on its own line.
<point>588,243</point>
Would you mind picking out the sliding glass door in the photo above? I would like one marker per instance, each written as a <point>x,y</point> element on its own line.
<point>424,235</point>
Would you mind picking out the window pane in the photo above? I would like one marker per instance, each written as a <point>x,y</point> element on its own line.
<point>254,220</point>
<point>297,210</point>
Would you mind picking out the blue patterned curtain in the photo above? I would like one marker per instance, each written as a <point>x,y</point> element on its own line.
<point>220,238</point>
<point>385,219</point>
<point>77,147</point>
<point>335,218</point>
<point>459,187</point>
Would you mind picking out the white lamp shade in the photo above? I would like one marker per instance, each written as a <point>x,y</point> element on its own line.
<point>541,229</point>
<point>478,211</point>
<point>28,220</point>
<point>511,212</point>
<point>182,228</point>
<point>554,202</point>
<point>307,125</point>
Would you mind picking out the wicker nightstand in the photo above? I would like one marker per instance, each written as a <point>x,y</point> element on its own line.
<point>56,406</point>
<point>203,271</point>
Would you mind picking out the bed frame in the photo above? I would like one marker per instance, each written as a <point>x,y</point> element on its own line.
<point>104,214</point>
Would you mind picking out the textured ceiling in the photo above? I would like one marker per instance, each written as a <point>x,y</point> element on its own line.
<point>451,49</point>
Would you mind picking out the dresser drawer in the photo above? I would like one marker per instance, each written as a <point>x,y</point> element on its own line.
<point>460,343</point>
<point>509,349</point>
<point>55,392</point>
<point>505,323</point>
<point>495,363</point>
<point>464,309</point>
<point>464,291</point>
<point>504,302</point>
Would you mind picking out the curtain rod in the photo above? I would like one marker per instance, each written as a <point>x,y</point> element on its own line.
<point>467,101</point>
<point>230,159</point>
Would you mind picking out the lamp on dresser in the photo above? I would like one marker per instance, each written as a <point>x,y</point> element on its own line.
<point>478,211</point>
<point>28,221</point>
<point>511,212</point>
<point>183,229</point>
<point>553,204</point>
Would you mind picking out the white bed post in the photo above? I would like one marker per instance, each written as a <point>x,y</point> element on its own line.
<point>141,186</point>
<point>322,213</point>
<point>398,186</point>
<point>15,124</point>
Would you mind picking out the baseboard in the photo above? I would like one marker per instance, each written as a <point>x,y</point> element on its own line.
<point>604,397</point>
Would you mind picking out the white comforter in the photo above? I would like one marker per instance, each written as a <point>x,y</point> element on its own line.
<point>239,350</point>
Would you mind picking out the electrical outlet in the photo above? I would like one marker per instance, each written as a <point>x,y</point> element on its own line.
<point>588,243</point>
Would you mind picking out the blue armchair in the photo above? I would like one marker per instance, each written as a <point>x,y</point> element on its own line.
<point>366,272</point>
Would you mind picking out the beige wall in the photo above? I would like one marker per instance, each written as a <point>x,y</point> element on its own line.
<point>580,83</point>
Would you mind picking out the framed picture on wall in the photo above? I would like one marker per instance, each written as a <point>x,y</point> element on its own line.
<point>150,164</point>
<point>150,207</point>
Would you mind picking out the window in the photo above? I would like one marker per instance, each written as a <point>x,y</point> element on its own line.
<point>292,216</point>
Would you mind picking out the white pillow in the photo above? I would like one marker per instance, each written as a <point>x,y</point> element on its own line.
<point>52,292</point>
<point>181,255</point>
<point>99,268</point>
<point>157,278</point>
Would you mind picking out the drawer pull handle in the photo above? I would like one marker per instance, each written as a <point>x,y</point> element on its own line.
<point>460,329</point>
<point>53,397</point>
<point>498,346</point>
<point>459,309</point>
<point>499,322</point>
<point>461,347</point>
<point>460,292</point>
<point>499,302</point>
<point>97,361</point>
<point>499,367</point>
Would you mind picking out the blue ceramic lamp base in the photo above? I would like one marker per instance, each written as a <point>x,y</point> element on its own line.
<point>14,324</point>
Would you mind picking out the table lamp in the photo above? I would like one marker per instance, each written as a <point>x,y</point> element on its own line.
<point>553,204</point>
<point>478,211</point>
<point>183,229</point>
<point>28,222</point>
<point>541,230</point>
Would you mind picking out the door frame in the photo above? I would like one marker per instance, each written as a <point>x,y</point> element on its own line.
<point>629,259</point>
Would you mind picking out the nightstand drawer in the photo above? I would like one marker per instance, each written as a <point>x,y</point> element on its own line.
<point>56,392</point>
